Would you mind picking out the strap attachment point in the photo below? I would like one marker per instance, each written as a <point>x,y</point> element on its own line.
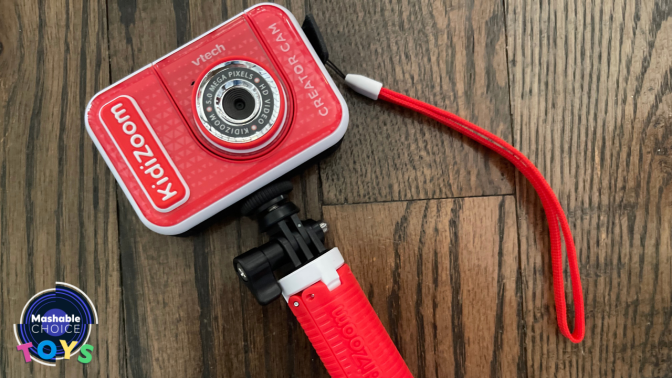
<point>364,85</point>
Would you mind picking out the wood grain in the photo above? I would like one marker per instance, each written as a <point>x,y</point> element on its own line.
<point>463,285</point>
<point>58,218</point>
<point>591,91</point>
<point>442,276</point>
<point>451,54</point>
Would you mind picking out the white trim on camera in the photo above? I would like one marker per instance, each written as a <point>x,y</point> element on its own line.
<point>253,185</point>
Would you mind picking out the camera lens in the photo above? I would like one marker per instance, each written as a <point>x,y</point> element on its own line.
<point>239,106</point>
<point>238,103</point>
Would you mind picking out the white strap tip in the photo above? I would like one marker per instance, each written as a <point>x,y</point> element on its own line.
<point>364,86</point>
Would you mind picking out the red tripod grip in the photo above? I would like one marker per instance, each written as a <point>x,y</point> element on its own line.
<point>346,332</point>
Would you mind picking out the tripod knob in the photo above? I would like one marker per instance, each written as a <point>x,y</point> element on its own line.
<point>255,268</point>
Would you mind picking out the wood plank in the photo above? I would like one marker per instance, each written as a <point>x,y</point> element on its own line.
<point>58,218</point>
<point>187,313</point>
<point>442,276</point>
<point>591,94</point>
<point>448,53</point>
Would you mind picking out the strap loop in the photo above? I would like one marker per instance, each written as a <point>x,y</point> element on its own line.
<point>557,222</point>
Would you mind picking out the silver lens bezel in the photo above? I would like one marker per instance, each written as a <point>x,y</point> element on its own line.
<point>214,131</point>
<point>226,88</point>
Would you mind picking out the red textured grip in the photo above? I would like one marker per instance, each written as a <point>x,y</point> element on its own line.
<point>346,332</point>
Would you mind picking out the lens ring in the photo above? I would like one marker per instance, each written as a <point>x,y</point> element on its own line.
<point>237,89</point>
<point>219,125</point>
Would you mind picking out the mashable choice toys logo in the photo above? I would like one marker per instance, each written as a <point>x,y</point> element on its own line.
<point>55,325</point>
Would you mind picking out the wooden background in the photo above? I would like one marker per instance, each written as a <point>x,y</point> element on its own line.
<point>446,239</point>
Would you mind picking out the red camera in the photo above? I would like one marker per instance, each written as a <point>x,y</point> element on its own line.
<point>220,117</point>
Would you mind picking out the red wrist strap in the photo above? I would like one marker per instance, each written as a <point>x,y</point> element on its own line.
<point>554,213</point>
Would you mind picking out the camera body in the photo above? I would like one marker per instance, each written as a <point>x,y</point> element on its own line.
<point>220,117</point>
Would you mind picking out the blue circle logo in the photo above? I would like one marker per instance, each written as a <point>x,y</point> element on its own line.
<point>56,324</point>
